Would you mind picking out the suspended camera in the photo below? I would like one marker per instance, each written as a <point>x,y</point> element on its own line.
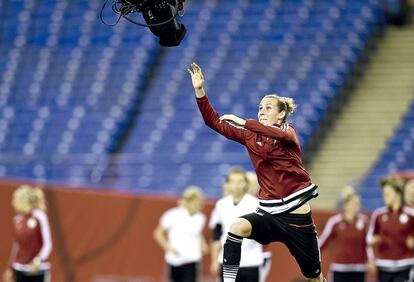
<point>159,15</point>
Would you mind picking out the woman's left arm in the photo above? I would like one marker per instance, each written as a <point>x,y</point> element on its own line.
<point>46,249</point>
<point>284,133</point>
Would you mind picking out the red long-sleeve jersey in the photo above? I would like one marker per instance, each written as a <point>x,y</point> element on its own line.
<point>393,229</point>
<point>349,252</point>
<point>276,156</point>
<point>32,239</point>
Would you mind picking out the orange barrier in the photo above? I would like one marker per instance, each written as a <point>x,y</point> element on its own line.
<point>102,236</point>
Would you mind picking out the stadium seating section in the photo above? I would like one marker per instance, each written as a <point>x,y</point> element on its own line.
<point>397,156</point>
<point>85,103</point>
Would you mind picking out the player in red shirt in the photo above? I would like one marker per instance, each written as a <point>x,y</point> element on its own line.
<point>284,214</point>
<point>391,233</point>
<point>29,259</point>
<point>346,233</point>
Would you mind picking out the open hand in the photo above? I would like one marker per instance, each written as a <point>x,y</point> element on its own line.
<point>233,119</point>
<point>196,76</point>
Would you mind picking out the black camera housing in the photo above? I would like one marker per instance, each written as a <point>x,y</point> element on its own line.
<point>160,17</point>
<point>171,33</point>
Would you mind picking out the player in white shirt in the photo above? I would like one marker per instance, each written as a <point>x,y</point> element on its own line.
<point>225,212</point>
<point>179,234</point>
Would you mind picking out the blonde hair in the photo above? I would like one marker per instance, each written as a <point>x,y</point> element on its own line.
<point>396,183</point>
<point>347,193</point>
<point>409,182</point>
<point>284,104</point>
<point>238,170</point>
<point>33,196</point>
<point>192,193</point>
<point>23,192</point>
<point>39,200</point>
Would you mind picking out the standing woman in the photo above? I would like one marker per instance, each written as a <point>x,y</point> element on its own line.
<point>391,233</point>
<point>179,234</point>
<point>226,210</point>
<point>29,259</point>
<point>284,214</point>
<point>346,233</point>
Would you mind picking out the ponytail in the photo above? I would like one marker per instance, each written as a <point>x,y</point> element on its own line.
<point>286,104</point>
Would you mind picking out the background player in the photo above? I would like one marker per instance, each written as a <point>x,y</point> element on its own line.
<point>29,259</point>
<point>179,234</point>
<point>225,212</point>
<point>391,232</point>
<point>343,230</point>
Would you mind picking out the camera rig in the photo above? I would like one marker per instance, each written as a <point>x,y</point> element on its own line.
<point>159,15</point>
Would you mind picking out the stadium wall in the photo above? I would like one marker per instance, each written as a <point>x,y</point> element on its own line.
<point>103,236</point>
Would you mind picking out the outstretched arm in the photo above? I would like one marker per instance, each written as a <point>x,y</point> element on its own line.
<point>284,133</point>
<point>210,116</point>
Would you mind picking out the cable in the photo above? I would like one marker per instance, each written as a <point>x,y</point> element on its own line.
<point>101,15</point>
<point>127,9</point>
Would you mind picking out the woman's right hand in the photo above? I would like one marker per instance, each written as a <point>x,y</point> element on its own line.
<point>35,265</point>
<point>376,239</point>
<point>197,76</point>
<point>8,275</point>
<point>409,242</point>
<point>214,268</point>
<point>172,250</point>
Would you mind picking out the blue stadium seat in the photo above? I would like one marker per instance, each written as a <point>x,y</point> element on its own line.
<point>397,156</point>
<point>71,86</point>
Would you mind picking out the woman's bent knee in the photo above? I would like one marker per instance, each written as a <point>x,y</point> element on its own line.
<point>241,227</point>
